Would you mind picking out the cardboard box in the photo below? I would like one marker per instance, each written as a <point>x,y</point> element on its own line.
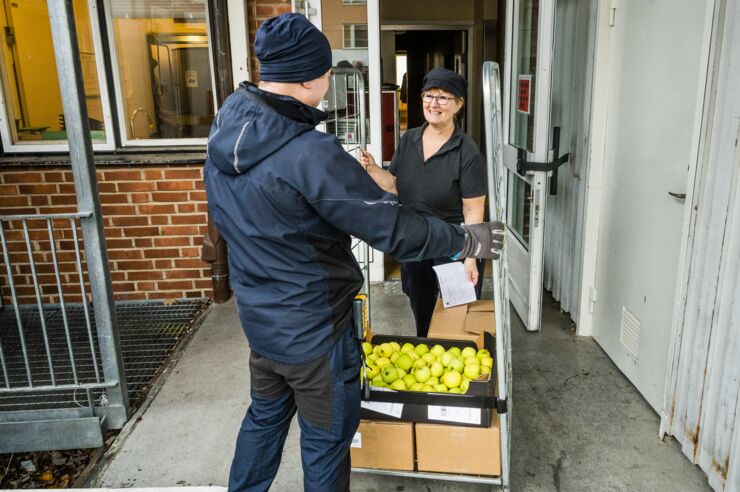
<point>473,408</point>
<point>439,448</point>
<point>464,322</point>
<point>386,445</point>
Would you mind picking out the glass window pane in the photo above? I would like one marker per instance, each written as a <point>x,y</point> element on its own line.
<point>345,25</point>
<point>519,207</point>
<point>164,68</point>
<point>29,73</point>
<point>523,76</point>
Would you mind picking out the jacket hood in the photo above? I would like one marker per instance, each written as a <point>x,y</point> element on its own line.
<point>253,124</point>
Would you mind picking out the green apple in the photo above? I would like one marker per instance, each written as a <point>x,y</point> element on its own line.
<point>398,384</point>
<point>390,374</point>
<point>452,379</point>
<point>386,349</point>
<point>437,369</point>
<point>464,385</point>
<point>409,380</point>
<point>418,364</point>
<point>487,362</point>
<point>396,355</point>
<point>413,355</point>
<point>427,388</point>
<point>432,380</point>
<point>447,358</point>
<point>437,350</point>
<point>470,360</point>
<point>428,358</point>
<point>455,350</point>
<point>382,362</point>
<point>381,384</point>
<point>376,350</point>
<point>401,372</point>
<point>404,361</point>
<point>416,386</point>
<point>407,347</point>
<point>440,388</point>
<point>422,374</point>
<point>485,372</point>
<point>396,346</point>
<point>371,358</point>
<point>472,371</point>
<point>455,390</point>
<point>372,371</point>
<point>467,352</point>
<point>367,347</point>
<point>421,349</point>
<point>378,378</point>
<point>483,353</point>
<point>455,365</point>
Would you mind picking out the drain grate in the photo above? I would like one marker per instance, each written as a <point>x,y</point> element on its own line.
<point>149,333</point>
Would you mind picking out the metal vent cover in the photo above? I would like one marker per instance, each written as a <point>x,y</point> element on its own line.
<point>629,332</point>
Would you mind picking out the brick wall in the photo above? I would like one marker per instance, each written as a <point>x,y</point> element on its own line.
<point>154,219</point>
<point>257,12</point>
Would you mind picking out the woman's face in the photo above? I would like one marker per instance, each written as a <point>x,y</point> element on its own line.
<point>440,106</point>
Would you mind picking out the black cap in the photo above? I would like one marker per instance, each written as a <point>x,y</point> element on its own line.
<point>447,80</point>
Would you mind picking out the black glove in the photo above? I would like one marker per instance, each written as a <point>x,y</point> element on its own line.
<point>485,240</point>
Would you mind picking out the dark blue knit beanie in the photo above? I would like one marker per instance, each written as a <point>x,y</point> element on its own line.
<point>291,49</point>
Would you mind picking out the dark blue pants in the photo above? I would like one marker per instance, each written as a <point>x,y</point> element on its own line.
<point>326,394</point>
<point>419,283</point>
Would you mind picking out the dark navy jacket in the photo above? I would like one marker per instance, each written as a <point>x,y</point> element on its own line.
<point>286,198</point>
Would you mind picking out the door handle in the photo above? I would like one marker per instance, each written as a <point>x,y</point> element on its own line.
<point>680,196</point>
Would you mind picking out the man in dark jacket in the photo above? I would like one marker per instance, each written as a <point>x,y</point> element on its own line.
<point>286,198</point>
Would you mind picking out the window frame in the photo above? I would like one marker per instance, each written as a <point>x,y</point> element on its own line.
<point>353,37</point>
<point>38,147</point>
<point>127,142</point>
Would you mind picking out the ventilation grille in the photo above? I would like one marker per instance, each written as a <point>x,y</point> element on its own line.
<point>629,332</point>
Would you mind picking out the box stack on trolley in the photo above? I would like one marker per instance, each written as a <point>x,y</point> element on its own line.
<point>432,403</point>
<point>439,407</point>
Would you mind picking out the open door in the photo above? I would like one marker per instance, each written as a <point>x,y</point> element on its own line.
<point>527,148</point>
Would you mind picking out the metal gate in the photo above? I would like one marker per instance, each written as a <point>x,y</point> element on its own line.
<point>48,359</point>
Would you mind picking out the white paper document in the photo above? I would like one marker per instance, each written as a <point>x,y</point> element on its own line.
<point>460,415</point>
<point>453,284</point>
<point>392,409</point>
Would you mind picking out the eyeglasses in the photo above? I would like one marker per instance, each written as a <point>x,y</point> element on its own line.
<point>441,100</point>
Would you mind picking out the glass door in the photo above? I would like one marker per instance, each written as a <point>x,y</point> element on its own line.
<point>529,46</point>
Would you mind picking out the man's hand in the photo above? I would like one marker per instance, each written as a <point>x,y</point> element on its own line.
<point>484,240</point>
<point>366,159</point>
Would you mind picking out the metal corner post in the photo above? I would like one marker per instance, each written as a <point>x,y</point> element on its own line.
<point>66,51</point>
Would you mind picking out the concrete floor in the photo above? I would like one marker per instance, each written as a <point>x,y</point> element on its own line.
<point>578,424</point>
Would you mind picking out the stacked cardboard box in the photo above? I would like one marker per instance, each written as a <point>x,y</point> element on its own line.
<point>437,447</point>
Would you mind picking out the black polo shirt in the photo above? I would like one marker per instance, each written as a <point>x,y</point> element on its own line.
<point>436,187</point>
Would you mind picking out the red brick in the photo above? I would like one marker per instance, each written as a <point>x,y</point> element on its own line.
<point>197,196</point>
<point>120,243</point>
<point>38,200</point>
<point>66,188</point>
<point>102,187</point>
<point>179,230</point>
<point>53,177</point>
<point>283,9</point>
<point>147,286</point>
<point>189,173</point>
<point>174,274</point>
<point>63,199</point>
<point>202,230</point>
<point>8,190</point>
<point>117,276</point>
<point>175,284</point>
<point>140,198</point>
<point>134,265</point>
<point>137,186</point>
<point>115,232</point>
<point>141,231</point>
<point>22,177</point>
<point>186,208</point>
<point>144,242</point>
<point>133,296</point>
<point>160,219</point>
<point>189,263</point>
<point>124,287</point>
<point>128,175</point>
<point>196,293</point>
<point>189,219</point>
<point>163,264</point>
<point>175,185</point>
<point>134,220</point>
<point>152,174</point>
<point>146,275</point>
<point>265,11</point>
<point>170,196</point>
<point>156,208</point>
<point>190,252</point>
<point>203,283</point>
<point>171,241</point>
<point>200,185</point>
<point>37,189</point>
<point>161,253</point>
<point>117,198</point>
<point>124,254</point>
<point>118,209</point>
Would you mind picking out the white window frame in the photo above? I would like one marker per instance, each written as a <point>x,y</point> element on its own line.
<point>122,122</point>
<point>353,28</point>
<point>39,146</point>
